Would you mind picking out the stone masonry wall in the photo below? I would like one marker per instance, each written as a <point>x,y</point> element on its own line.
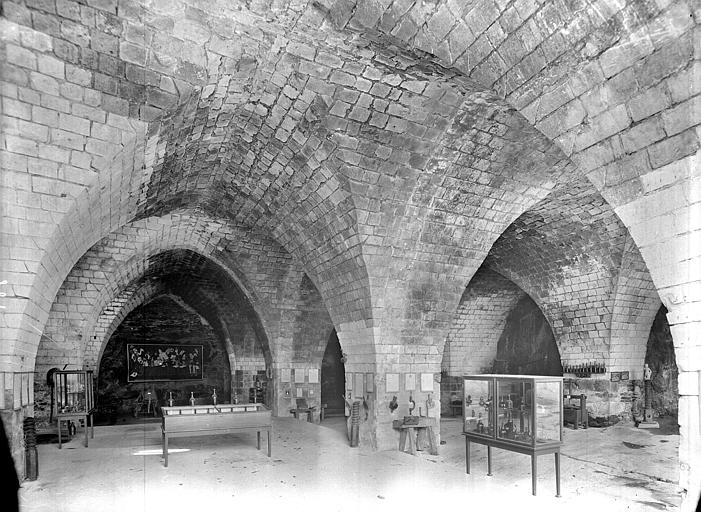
<point>471,345</point>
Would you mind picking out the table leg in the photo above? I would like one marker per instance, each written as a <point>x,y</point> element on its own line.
<point>402,439</point>
<point>467,455</point>
<point>86,431</point>
<point>59,434</point>
<point>92,427</point>
<point>420,438</point>
<point>412,440</point>
<point>489,460</point>
<point>557,473</point>
<point>269,446</point>
<point>258,439</point>
<point>165,449</point>
<point>433,449</point>
<point>534,472</point>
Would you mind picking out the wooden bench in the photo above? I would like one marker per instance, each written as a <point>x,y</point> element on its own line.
<point>202,420</point>
<point>414,432</point>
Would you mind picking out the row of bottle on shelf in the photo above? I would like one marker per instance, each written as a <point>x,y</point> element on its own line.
<point>584,368</point>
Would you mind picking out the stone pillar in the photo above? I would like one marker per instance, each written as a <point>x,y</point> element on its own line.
<point>16,404</point>
<point>296,380</point>
<point>686,334</point>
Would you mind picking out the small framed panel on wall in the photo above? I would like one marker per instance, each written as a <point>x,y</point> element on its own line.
<point>285,375</point>
<point>369,383</point>
<point>359,385</point>
<point>349,381</point>
<point>409,381</point>
<point>151,362</point>
<point>313,376</point>
<point>426,382</point>
<point>392,383</point>
<point>299,375</point>
<point>17,390</point>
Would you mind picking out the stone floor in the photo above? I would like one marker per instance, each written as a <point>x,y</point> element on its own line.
<point>620,468</point>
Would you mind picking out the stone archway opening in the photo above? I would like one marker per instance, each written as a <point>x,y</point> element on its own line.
<point>661,359</point>
<point>164,322</point>
<point>527,343</point>
<point>333,377</point>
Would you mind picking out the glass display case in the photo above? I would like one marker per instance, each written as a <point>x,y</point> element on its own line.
<point>521,413</point>
<point>73,398</point>
<point>513,408</point>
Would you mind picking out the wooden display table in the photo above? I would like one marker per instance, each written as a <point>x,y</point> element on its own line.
<point>69,416</point>
<point>414,433</point>
<point>528,450</point>
<point>203,420</point>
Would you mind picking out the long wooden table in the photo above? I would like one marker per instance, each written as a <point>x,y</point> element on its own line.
<point>202,420</point>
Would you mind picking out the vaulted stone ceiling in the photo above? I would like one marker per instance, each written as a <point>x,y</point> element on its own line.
<point>359,135</point>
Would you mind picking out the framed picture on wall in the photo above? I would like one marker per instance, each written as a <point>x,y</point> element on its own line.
<point>392,383</point>
<point>152,362</point>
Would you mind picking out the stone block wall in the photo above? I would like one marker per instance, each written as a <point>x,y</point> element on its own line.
<point>471,345</point>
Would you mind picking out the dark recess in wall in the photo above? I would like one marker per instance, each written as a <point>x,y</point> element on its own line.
<point>527,344</point>
<point>333,376</point>
<point>161,321</point>
<point>661,359</point>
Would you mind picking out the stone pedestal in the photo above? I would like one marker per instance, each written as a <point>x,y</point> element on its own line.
<point>647,415</point>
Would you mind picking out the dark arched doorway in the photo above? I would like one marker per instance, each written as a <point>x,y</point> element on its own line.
<point>662,361</point>
<point>162,322</point>
<point>527,344</point>
<point>333,377</point>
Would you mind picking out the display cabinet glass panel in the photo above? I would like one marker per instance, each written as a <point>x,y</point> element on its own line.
<point>73,392</point>
<point>478,399</point>
<point>548,411</point>
<point>514,411</point>
<point>73,400</point>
